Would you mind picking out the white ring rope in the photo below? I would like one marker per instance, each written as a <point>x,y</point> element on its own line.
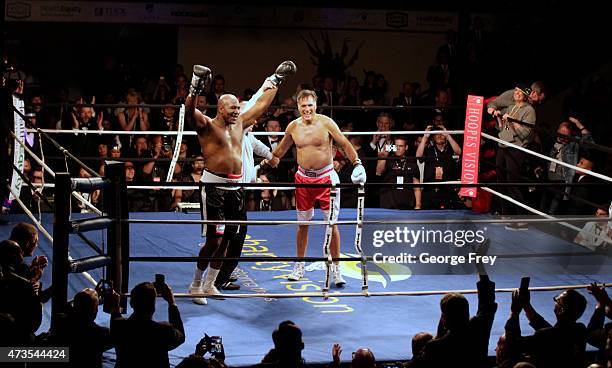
<point>46,233</point>
<point>517,203</point>
<point>177,143</point>
<point>367,222</point>
<point>376,293</point>
<point>592,173</point>
<point>52,173</point>
<point>190,132</point>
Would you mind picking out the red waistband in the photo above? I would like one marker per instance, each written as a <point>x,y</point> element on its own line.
<point>314,173</point>
<point>226,176</point>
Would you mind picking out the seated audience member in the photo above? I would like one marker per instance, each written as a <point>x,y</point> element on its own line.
<point>461,341</point>
<point>419,341</point>
<point>361,358</point>
<point>139,340</point>
<point>505,356</point>
<point>400,170</point>
<point>594,234</point>
<point>288,346</point>
<point>438,154</point>
<point>78,331</point>
<point>20,302</point>
<point>598,330</point>
<point>138,199</point>
<point>561,345</point>
<point>197,360</point>
<point>190,195</point>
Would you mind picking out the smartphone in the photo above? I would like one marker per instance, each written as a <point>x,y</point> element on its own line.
<point>216,345</point>
<point>160,281</point>
<point>525,283</point>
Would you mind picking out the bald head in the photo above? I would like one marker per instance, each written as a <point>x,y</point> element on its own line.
<point>363,358</point>
<point>86,304</point>
<point>228,108</point>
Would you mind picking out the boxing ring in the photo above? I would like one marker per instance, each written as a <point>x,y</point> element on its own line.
<point>381,308</point>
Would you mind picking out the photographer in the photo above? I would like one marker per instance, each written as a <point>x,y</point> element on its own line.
<point>438,154</point>
<point>139,340</point>
<point>210,345</point>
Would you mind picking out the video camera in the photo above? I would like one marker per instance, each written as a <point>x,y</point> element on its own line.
<point>104,288</point>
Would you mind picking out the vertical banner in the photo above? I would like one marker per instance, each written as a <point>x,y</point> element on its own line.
<point>18,150</point>
<point>471,144</point>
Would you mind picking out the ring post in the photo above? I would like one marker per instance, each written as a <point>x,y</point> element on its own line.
<point>61,232</point>
<point>118,232</point>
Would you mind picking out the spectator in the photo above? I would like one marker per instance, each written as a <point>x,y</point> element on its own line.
<point>461,341</point>
<point>597,331</point>
<point>419,341</point>
<point>382,142</point>
<point>439,156</point>
<point>401,169</point>
<point>138,200</point>
<point>566,151</point>
<point>328,95</point>
<point>190,195</point>
<point>361,358</point>
<point>139,340</point>
<point>78,331</point>
<point>574,206</point>
<point>561,345</point>
<point>132,118</point>
<point>439,74</point>
<point>509,160</point>
<point>217,90</point>
<point>288,346</point>
<point>535,96</point>
<point>91,197</point>
<point>180,89</point>
<point>594,233</point>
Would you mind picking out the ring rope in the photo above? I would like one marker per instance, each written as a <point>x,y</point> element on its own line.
<point>376,293</point>
<point>563,223</point>
<point>174,132</point>
<point>177,143</point>
<point>367,222</point>
<point>592,173</point>
<point>52,173</point>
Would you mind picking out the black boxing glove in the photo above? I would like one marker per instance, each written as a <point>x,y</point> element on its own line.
<point>282,71</point>
<point>200,79</point>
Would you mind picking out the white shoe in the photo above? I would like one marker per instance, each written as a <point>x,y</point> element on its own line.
<point>298,272</point>
<point>193,289</point>
<point>338,279</point>
<point>212,291</point>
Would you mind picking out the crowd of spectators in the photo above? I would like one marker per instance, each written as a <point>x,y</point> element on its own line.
<point>460,340</point>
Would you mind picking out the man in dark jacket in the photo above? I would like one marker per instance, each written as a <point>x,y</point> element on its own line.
<point>462,341</point>
<point>561,345</point>
<point>139,340</point>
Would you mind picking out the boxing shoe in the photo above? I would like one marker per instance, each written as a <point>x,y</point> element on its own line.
<point>196,288</point>
<point>212,291</point>
<point>282,71</point>
<point>338,279</point>
<point>200,79</point>
<point>297,273</point>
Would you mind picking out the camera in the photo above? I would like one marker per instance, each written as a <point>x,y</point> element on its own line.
<point>166,144</point>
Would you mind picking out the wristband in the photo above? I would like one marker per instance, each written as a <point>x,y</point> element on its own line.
<point>357,162</point>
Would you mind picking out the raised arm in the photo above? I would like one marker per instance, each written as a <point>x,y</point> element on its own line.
<point>285,143</point>
<point>262,99</point>
<point>201,77</point>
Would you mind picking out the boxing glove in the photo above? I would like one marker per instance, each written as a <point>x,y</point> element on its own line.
<point>200,79</point>
<point>282,71</point>
<point>359,174</point>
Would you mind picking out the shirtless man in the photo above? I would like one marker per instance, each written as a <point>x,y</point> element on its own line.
<point>313,134</point>
<point>221,142</point>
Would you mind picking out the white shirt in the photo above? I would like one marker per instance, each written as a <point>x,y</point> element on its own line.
<point>251,145</point>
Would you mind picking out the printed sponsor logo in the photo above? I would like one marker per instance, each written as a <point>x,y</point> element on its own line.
<point>18,10</point>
